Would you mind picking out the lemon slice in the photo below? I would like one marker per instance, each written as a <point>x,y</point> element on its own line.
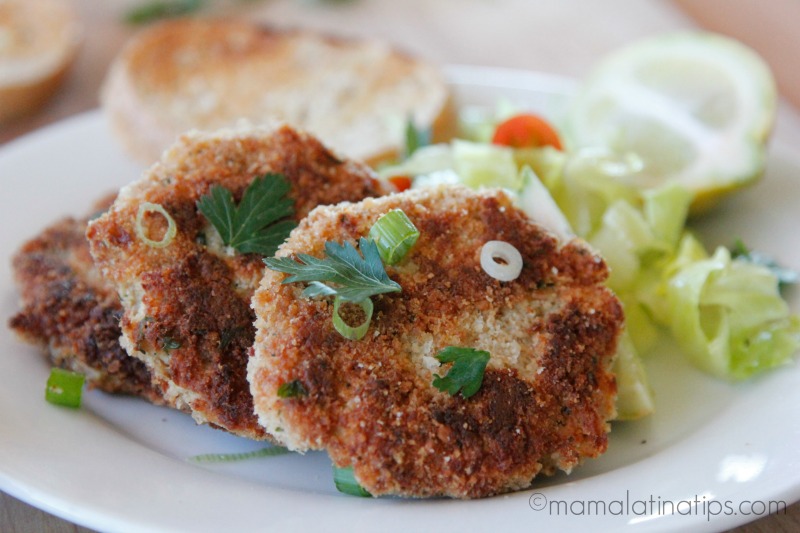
<point>697,108</point>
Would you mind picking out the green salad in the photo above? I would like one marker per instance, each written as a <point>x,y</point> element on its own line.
<point>723,307</point>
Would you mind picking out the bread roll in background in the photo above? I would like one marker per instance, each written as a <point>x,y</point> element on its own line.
<point>355,95</point>
<point>39,40</point>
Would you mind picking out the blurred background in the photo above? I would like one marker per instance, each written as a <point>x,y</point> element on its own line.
<point>565,37</point>
<point>558,37</point>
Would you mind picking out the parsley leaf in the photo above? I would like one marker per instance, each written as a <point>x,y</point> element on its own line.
<point>255,226</point>
<point>467,371</point>
<point>292,389</point>
<point>785,276</point>
<point>356,278</point>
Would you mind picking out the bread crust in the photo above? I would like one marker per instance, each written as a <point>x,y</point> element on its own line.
<point>355,95</point>
<point>547,393</point>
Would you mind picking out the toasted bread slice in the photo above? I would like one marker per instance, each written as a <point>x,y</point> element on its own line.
<point>355,96</point>
<point>38,43</point>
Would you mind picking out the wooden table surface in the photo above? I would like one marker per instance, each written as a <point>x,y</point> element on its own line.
<point>565,37</point>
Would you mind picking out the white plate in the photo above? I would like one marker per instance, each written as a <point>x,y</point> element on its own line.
<point>120,464</point>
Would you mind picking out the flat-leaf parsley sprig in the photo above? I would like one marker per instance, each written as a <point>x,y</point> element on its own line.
<point>355,278</point>
<point>466,374</point>
<point>350,277</point>
<point>255,225</point>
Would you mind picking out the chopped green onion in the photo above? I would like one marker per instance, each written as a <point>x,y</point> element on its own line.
<point>168,344</point>
<point>345,481</point>
<point>292,389</point>
<point>269,451</point>
<point>394,234</point>
<point>415,138</point>
<point>501,260</point>
<point>64,388</point>
<point>348,332</point>
<point>159,9</point>
<point>172,228</point>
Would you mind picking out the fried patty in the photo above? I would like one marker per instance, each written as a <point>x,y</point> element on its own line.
<point>547,392</point>
<point>186,306</point>
<point>71,313</point>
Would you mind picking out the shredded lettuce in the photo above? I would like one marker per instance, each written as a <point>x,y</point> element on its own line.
<point>535,200</point>
<point>477,124</point>
<point>638,243</point>
<point>485,165</point>
<point>425,160</point>
<point>592,180</point>
<point>726,314</point>
<point>547,162</point>
<point>729,318</point>
<point>666,209</point>
<point>634,396</point>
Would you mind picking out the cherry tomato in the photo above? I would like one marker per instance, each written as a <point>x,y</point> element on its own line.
<point>526,131</point>
<point>401,183</point>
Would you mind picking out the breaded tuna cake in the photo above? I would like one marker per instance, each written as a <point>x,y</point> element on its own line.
<point>186,304</point>
<point>71,313</point>
<point>547,392</point>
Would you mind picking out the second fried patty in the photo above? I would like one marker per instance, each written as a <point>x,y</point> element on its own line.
<point>547,391</point>
<point>72,313</point>
<point>186,306</point>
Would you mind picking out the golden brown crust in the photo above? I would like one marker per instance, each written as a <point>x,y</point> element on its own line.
<point>72,314</point>
<point>547,393</point>
<point>187,306</point>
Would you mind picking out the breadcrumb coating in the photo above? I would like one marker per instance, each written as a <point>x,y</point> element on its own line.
<point>186,306</point>
<point>547,393</point>
<point>72,314</point>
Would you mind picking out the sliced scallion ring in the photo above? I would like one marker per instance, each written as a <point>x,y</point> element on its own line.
<point>64,388</point>
<point>349,332</point>
<point>501,260</point>
<point>172,228</point>
<point>345,481</point>
<point>394,234</point>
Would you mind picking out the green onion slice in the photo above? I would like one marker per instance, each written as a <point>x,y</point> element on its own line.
<point>64,388</point>
<point>172,228</point>
<point>269,451</point>
<point>345,481</point>
<point>394,234</point>
<point>349,332</point>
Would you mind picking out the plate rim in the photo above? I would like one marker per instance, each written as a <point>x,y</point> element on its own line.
<point>37,495</point>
